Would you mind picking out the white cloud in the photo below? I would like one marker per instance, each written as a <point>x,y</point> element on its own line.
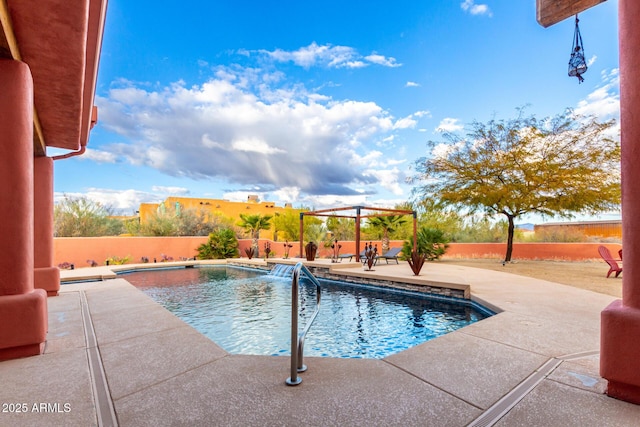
<point>370,159</point>
<point>288,194</point>
<point>604,101</point>
<point>99,156</point>
<point>250,127</point>
<point>475,9</point>
<point>209,143</point>
<point>412,84</point>
<point>382,60</point>
<point>329,56</point>
<point>331,201</point>
<point>388,178</point>
<point>355,64</point>
<point>592,61</point>
<point>405,123</point>
<point>254,145</point>
<point>123,202</point>
<point>443,150</point>
<point>449,124</point>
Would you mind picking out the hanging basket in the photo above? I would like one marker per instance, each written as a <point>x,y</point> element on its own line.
<point>577,62</point>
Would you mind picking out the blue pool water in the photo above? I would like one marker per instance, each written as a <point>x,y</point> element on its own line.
<point>249,312</point>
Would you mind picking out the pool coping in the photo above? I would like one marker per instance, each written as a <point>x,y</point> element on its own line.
<point>338,271</point>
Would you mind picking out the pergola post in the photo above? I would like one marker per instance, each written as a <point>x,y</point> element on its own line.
<point>358,217</point>
<point>415,231</point>
<point>358,233</point>
<point>301,234</point>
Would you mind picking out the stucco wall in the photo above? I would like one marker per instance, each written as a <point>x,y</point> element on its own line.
<point>77,250</point>
<point>551,251</point>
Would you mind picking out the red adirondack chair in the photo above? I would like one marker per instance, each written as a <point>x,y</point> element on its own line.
<point>613,263</point>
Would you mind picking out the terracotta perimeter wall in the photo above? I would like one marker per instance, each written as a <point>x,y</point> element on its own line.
<point>78,250</point>
<point>548,251</point>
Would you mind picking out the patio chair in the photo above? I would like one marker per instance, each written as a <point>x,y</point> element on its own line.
<point>613,263</point>
<point>345,256</point>
<point>391,254</point>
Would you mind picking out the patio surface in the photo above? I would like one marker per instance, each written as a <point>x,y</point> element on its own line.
<point>115,357</point>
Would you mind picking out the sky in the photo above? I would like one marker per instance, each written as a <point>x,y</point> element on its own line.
<point>317,103</point>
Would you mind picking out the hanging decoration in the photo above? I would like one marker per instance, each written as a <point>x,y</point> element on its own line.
<point>577,63</point>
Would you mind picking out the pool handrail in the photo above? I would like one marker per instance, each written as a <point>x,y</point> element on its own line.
<point>297,340</point>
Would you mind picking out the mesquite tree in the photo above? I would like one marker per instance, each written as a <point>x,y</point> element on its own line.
<point>555,166</point>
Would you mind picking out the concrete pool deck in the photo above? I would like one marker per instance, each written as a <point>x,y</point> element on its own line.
<point>115,357</point>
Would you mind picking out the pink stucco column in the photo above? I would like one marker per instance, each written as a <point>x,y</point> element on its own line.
<point>620,343</point>
<point>23,309</point>
<point>46,276</point>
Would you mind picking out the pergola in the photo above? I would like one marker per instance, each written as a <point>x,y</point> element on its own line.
<point>377,212</point>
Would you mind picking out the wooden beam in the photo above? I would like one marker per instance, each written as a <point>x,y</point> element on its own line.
<point>7,30</point>
<point>8,43</point>
<point>549,12</point>
<point>39,147</point>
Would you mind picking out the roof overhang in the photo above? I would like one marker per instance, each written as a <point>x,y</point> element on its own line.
<point>549,12</point>
<point>60,41</point>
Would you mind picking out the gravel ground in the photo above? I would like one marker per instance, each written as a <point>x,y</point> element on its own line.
<point>590,275</point>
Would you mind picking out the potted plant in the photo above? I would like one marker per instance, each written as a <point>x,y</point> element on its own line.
<point>310,251</point>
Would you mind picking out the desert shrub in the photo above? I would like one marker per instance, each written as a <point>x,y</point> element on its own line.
<point>221,244</point>
<point>483,231</point>
<point>183,222</point>
<point>559,234</point>
<point>83,217</point>
<point>431,242</point>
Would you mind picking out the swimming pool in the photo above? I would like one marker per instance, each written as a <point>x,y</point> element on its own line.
<point>249,312</point>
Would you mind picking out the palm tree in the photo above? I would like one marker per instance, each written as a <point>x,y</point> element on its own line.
<point>388,224</point>
<point>252,224</point>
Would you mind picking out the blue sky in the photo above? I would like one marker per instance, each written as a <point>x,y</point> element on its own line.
<point>319,104</point>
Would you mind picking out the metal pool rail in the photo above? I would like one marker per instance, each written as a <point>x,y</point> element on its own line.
<point>297,340</point>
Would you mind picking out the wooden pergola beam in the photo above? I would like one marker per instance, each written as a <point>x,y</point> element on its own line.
<point>549,12</point>
<point>358,216</point>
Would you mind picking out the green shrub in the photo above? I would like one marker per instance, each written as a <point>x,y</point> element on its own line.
<point>431,242</point>
<point>114,260</point>
<point>221,244</point>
